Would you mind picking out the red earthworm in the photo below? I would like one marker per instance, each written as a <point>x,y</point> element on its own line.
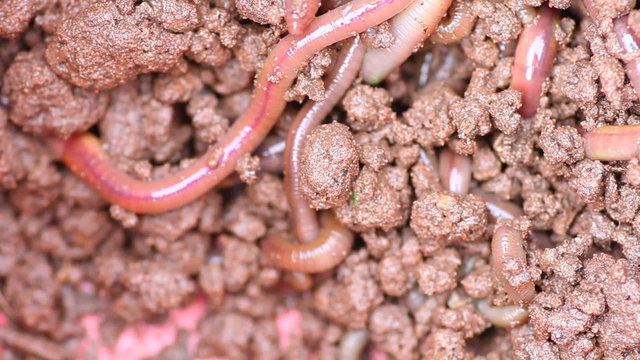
<point>455,171</point>
<point>299,14</point>
<point>410,28</point>
<point>329,248</point>
<point>509,262</point>
<point>352,344</point>
<point>613,142</point>
<point>502,316</point>
<point>535,53</point>
<point>457,24</point>
<point>629,43</point>
<point>303,218</point>
<point>84,156</point>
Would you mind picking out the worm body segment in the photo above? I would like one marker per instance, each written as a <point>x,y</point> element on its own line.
<point>613,142</point>
<point>303,218</point>
<point>328,249</point>
<point>503,316</point>
<point>509,262</point>
<point>299,14</point>
<point>82,153</point>
<point>534,57</point>
<point>410,28</point>
<point>457,24</point>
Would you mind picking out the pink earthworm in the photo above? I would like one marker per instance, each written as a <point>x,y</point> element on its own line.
<point>612,142</point>
<point>84,156</point>
<point>534,57</point>
<point>457,24</point>
<point>509,262</point>
<point>299,14</point>
<point>303,218</point>
<point>455,171</point>
<point>410,28</point>
<point>327,250</point>
<point>324,247</point>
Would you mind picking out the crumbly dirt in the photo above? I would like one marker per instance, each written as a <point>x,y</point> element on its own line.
<point>160,81</point>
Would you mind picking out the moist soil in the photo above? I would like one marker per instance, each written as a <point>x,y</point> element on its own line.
<point>78,274</point>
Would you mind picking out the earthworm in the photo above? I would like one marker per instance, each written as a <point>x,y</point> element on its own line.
<point>509,262</point>
<point>327,250</point>
<point>84,156</point>
<point>299,14</point>
<point>410,28</point>
<point>32,344</point>
<point>455,171</point>
<point>502,316</point>
<point>535,53</point>
<point>457,24</point>
<point>352,344</point>
<point>271,154</point>
<point>499,209</point>
<point>629,43</point>
<point>613,142</point>
<point>303,218</point>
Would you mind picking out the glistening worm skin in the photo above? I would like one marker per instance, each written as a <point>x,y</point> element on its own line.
<point>458,24</point>
<point>499,209</point>
<point>508,316</point>
<point>329,248</point>
<point>535,53</point>
<point>299,14</point>
<point>83,155</point>
<point>629,43</point>
<point>613,142</point>
<point>410,28</point>
<point>509,262</point>
<point>303,218</point>
<point>455,171</point>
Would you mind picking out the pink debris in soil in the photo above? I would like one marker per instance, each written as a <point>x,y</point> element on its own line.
<point>288,324</point>
<point>142,340</point>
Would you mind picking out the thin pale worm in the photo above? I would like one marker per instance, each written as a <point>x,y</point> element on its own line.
<point>613,142</point>
<point>410,28</point>
<point>352,344</point>
<point>499,209</point>
<point>508,316</point>
<point>84,156</point>
<point>299,14</point>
